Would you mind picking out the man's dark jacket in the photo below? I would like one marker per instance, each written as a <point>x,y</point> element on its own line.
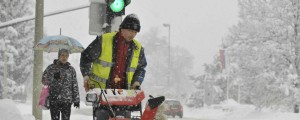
<point>93,51</point>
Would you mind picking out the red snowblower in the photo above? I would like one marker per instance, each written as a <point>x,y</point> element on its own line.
<point>110,104</point>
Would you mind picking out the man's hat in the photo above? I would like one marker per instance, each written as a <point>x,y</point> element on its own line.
<point>131,22</point>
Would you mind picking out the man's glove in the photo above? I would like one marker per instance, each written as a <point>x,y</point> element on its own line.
<point>86,83</point>
<point>56,75</point>
<point>135,85</point>
<point>77,105</point>
<point>117,79</point>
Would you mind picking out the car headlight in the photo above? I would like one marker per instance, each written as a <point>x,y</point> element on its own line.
<point>91,97</point>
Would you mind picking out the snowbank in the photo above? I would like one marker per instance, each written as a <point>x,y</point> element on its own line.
<point>20,111</point>
<point>9,111</point>
<point>231,110</point>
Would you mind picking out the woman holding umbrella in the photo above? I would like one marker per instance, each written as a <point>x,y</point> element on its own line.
<point>63,87</point>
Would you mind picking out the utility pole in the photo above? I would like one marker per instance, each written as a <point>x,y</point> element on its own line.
<point>38,59</point>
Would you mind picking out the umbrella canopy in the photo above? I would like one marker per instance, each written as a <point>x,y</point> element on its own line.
<point>54,43</point>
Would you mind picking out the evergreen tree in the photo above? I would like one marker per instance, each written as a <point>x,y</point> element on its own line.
<point>262,54</point>
<point>17,40</point>
<point>263,46</point>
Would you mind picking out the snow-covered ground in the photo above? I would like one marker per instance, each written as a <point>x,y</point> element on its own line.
<point>11,110</point>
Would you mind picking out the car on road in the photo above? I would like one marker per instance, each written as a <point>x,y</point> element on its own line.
<point>173,108</point>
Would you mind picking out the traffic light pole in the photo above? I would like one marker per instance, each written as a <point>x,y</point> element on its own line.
<point>115,23</point>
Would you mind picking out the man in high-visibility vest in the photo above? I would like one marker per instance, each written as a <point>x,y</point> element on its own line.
<point>116,59</point>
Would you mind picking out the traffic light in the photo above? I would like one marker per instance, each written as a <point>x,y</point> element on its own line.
<point>105,15</point>
<point>117,7</point>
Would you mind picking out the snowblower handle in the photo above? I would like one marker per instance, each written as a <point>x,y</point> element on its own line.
<point>122,97</point>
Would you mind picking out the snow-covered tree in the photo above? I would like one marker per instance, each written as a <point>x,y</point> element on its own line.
<point>17,40</point>
<point>265,47</point>
<point>262,54</point>
<point>210,85</point>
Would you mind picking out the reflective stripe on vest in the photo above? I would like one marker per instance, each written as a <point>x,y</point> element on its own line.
<point>104,63</point>
<point>102,66</point>
<point>134,62</point>
<point>96,78</point>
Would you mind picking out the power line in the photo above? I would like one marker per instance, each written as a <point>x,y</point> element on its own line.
<point>27,18</point>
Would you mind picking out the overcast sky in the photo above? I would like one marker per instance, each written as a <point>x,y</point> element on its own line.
<point>197,25</point>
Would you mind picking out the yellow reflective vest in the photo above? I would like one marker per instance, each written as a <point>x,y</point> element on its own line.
<point>102,66</point>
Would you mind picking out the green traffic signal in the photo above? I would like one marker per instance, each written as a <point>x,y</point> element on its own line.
<point>117,5</point>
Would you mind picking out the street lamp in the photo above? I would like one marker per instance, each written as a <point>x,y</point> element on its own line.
<point>5,82</point>
<point>169,51</point>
